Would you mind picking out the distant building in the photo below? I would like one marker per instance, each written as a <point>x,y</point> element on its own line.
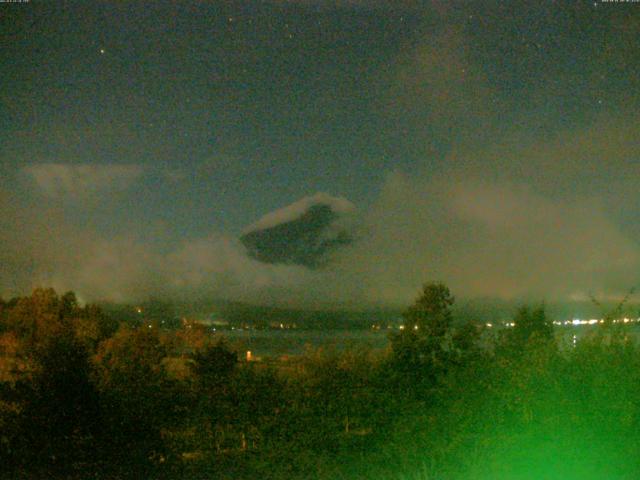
<point>250,357</point>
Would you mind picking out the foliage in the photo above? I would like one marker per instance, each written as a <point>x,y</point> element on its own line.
<point>81,397</point>
<point>530,326</point>
<point>422,350</point>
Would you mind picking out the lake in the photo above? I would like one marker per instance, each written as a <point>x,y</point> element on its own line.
<point>294,342</point>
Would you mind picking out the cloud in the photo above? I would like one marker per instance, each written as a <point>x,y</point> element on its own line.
<point>219,266</point>
<point>118,269</point>
<point>438,90</point>
<point>521,218</point>
<point>123,269</point>
<point>487,239</point>
<point>40,246</point>
<point>59,180</point>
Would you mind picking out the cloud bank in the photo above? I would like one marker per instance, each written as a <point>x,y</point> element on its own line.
<point>484,239</point>
<point>503,238</point>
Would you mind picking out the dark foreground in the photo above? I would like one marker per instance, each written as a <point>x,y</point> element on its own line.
<point>83,396</point>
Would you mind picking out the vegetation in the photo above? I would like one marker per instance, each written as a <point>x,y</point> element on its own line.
<point>82,396</point>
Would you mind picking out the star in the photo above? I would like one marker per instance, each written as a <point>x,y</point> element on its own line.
<point>102,51</point>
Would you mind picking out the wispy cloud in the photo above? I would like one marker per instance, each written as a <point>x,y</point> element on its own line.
<point>60,179</point>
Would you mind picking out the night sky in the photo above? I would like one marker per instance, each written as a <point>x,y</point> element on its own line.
<point>491,145</point>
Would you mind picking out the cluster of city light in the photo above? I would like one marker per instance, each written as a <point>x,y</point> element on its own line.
<point>578,322</point>
<point>595,321</point>
<point>401,327</point>
<point>575,322</point>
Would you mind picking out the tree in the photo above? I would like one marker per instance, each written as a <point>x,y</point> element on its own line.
<point>60,416</point>
<point>530,325</point>
<point>136,399</point>
<point>214,365</point>
<point>422,346</point>
<point>431,312</point>
<point>37,318</point>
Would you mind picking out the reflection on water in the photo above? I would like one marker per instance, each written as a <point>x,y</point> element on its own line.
<point>294,342</point>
